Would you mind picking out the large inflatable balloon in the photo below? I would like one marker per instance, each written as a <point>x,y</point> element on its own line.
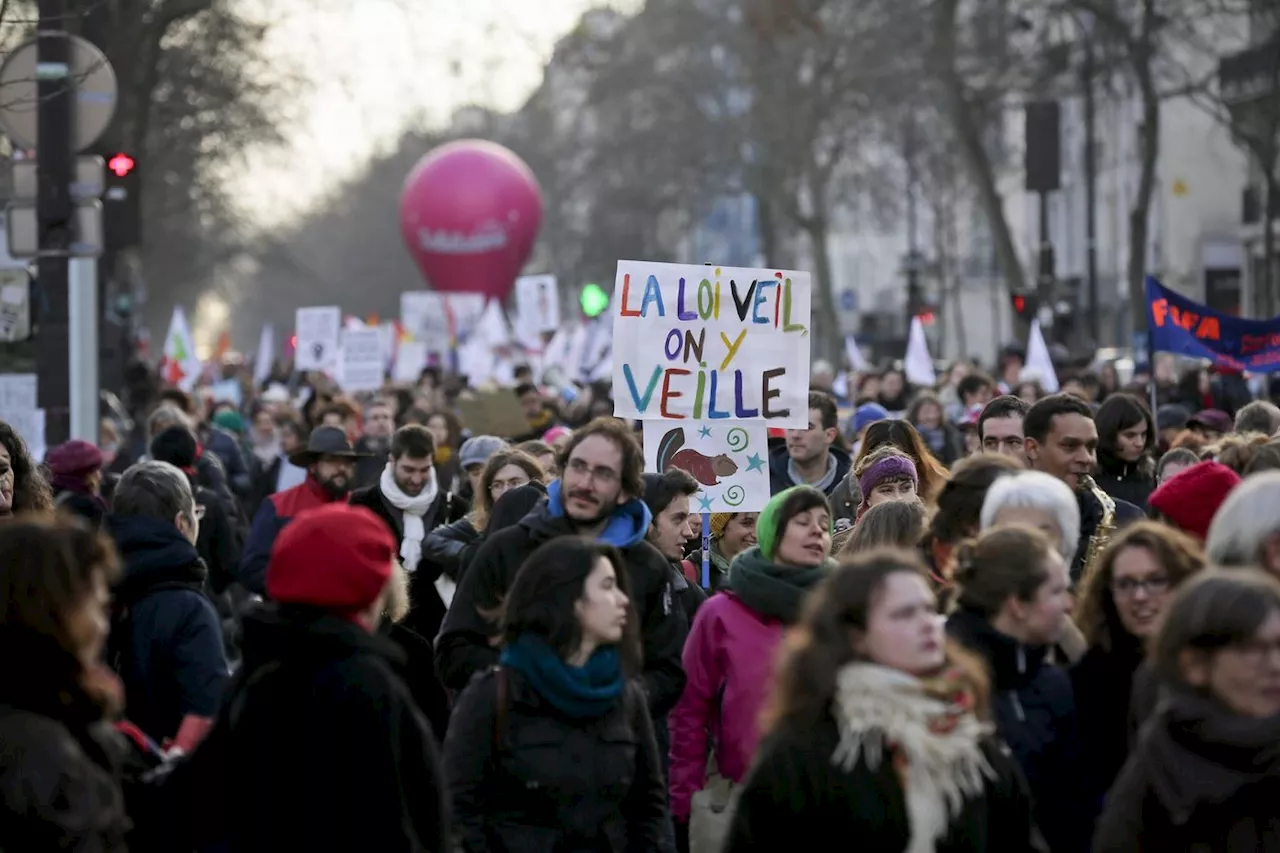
<point>469,212</point>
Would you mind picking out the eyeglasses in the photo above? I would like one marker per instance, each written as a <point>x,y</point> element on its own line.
<point>604,475</point>
<point>1129,587</point>
<point>499,487</point>
<point>1255,652</point>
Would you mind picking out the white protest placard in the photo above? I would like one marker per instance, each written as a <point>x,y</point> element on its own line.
<point>362,366</point>
<point>318,331</point>
<point>711,343</point>
<point>440,320</point>
<point>18,409</point>
<point>729,459</point>
<point>411,357</point>
<point>537,303</point>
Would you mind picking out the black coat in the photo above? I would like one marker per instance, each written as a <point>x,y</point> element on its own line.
<point>319,747</point>
<point>1132,482</point>
<point>1102,682</point>
<point>59,766</point>
<point>1035,714</point>
<point>526,778</point>
<point>463,648</point>
<point>1200,779</point>
<point>795,791</point>
<point>166,637</point>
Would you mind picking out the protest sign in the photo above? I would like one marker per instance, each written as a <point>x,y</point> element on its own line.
<point>711,343</point>
<point>1180,325</point>
<point>362,365</point>
<point>317,330</point>
<point>729,459</point>
<point>537,303</point>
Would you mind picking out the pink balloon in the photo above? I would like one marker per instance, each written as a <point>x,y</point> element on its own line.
<point>469,213</point>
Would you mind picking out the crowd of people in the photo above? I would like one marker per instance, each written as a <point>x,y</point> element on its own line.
<point>976,617</point>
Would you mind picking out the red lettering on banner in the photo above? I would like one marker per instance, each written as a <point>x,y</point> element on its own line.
<point>1160,311</point>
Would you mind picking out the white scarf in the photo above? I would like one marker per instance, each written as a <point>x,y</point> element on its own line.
<point>413,508</point>
<point>940,770</point>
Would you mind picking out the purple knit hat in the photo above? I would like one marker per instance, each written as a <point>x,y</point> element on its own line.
<point>890,468</point>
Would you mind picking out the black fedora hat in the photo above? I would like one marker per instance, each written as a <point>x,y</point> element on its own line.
<point>324,441</point>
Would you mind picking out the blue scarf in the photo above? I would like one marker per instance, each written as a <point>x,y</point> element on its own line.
<point>585,692</point>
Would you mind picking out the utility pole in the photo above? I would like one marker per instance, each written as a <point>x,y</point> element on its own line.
<point>55,211</point>
<point>1087,71</point>
<point>915,299</point>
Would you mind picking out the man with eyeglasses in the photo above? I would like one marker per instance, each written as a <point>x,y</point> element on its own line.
<point>599,495</point>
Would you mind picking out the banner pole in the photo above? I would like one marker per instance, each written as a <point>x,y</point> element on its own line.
<point>706,550</point>
<point>1151,354</point>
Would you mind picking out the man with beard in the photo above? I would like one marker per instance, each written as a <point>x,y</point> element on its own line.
<point>330,461</point>
<point>409,499</point>
<point>599,496</point>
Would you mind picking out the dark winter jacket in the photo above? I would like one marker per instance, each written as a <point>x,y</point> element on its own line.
<point>1090,517</point>
<point>1102,682</point>
<point>526,778</point>
<point>59,773</point>
<point>369,467</point>
<point>1035,714</point>
<point>1200,779</point>
<point>276,511</point>
<point>340,758</point>
<point>166,639</point>
<point>780,478</point>
<point>443,546</point>
<point>1132,482</point>
<point>795,788</point>
<point>226,447</point>
<point>463,648</point>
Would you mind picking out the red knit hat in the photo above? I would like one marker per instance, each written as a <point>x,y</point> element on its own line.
<point>74,457</point>
<point>1190,498</point>
<point>336,557</point>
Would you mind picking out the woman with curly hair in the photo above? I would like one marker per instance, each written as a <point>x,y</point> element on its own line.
<point>1120,606</point>
<point>23,487</point>
<point>877,728</point>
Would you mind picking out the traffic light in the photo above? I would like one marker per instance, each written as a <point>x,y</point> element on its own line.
<point>926,317</point>
<point>593,300</point>
<point>1024,305</point>
<point>121,208</point>
<point>121,164</point>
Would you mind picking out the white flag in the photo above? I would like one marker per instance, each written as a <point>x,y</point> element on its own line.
<point>918,365</point>
<point>1039,366</point>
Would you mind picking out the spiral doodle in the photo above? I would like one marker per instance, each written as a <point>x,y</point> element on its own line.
<point>738,439</point>
<point>734,495</point>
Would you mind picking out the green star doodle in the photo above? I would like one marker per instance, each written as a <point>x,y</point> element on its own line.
<point>755,463</point>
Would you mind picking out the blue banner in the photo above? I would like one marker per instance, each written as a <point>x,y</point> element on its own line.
<point>1181,326</point>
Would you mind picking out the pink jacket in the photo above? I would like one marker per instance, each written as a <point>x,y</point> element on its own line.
<point>728,661</point>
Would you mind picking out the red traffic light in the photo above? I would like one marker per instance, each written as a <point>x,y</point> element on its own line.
<point>1019,304</point>
<point>121,165</point>
<point>926,318</point>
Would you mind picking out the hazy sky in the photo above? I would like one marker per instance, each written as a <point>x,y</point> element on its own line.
<point>376,66</point>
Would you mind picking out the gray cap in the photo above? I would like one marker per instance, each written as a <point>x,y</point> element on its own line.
<point>477,450</point>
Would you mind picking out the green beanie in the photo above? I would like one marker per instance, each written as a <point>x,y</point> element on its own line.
<point>230,420</point>
<point>770,522</point>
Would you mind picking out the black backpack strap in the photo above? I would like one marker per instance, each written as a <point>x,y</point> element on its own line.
<point>500,716</point>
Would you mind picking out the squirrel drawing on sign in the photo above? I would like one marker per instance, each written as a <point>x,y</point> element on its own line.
<point>707,470</point>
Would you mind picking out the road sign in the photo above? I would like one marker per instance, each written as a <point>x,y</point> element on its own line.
<point>23,230</point>
<point>94,103</point>
<point>847,308</point>
<point>90,179</point>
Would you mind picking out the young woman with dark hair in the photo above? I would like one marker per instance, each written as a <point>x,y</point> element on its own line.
<point>876,729</point>
<point>1126,449</point>
<point>554,749</point>
<point>59,779</point>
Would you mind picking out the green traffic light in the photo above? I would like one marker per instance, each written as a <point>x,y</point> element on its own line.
<point>593,300</point>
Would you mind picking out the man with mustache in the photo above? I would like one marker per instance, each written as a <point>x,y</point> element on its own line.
<point>330,461</point>
<point>598,495</point>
